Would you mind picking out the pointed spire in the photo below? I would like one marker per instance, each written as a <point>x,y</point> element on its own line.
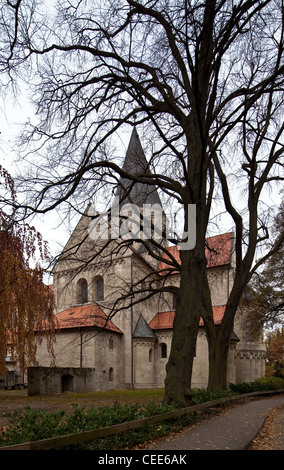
<point>135,161</point>
<point>136,164</point>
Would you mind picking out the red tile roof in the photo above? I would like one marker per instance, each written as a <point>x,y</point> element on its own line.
<point>218,313</point>
<point>165,320</point>
<point>82,316</point>
<point>218,252</point>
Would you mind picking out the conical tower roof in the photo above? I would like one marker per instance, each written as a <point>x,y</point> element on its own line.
<point>135,163</point>
<point>142,329</point>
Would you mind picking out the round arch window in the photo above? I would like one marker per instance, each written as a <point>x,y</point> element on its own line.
<point>82,291</point>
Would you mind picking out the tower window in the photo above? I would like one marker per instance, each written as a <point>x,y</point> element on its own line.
<point>82,291</point>
<point>99,294</point>
<point>163,350</point>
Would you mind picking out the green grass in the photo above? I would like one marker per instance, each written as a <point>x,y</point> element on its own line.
<point>121,395</point>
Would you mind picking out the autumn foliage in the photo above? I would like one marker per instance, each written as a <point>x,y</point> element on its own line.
<point>26,303</point>
<point>275,352</point>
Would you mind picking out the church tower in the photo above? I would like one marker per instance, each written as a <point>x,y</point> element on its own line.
<point>140,201</point>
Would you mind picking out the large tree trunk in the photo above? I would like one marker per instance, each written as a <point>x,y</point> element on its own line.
<point>186,323</point>
<point>218,338</point>
<point>218,358</point>
<point>219,342</point>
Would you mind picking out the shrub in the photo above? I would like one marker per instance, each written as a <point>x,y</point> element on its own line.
<point>271,383</point>
<point>262,384</point>
<point>203,395</point>
<point>28,425</point>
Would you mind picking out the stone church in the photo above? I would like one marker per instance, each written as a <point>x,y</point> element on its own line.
<point>106,321</point>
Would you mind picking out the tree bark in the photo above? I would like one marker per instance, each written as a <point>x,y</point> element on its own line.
<point>186,324</point>
<point>219,337</point>
<point>218,358</point>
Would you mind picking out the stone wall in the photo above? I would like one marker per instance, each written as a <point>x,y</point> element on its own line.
<point>87,349</point>
<point>250,362</point>
<point>52,380</point>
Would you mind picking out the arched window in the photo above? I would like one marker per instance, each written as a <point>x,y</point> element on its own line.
<point>99,293</point>
<point>82,291</point>
<point>110,375</point>
<point>151,355</point>
<point>163,350</point>
<point>110,343</point>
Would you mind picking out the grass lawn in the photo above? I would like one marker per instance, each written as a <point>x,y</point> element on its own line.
<point>122,396</point>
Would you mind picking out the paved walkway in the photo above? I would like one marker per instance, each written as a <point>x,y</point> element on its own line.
<point>234,429</point>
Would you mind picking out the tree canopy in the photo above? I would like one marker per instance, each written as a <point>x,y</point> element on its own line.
<point>275,357</point>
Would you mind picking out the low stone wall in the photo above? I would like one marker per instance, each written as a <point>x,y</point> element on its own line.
<point>52,380</point>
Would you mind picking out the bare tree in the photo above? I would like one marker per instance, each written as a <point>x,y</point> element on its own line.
<point>205,80</point>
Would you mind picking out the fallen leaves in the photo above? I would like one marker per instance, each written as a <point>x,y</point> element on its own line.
<point>270,436</point>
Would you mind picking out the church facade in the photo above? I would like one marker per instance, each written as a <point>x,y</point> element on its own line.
<point>125,339</point>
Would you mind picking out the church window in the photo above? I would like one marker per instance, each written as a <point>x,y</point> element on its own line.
<point>110,343</point>
<point>99,294</point>
<point>163,350</point>
<point>82,291</point>
<point>151,355</point>
<point>110,375</point>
